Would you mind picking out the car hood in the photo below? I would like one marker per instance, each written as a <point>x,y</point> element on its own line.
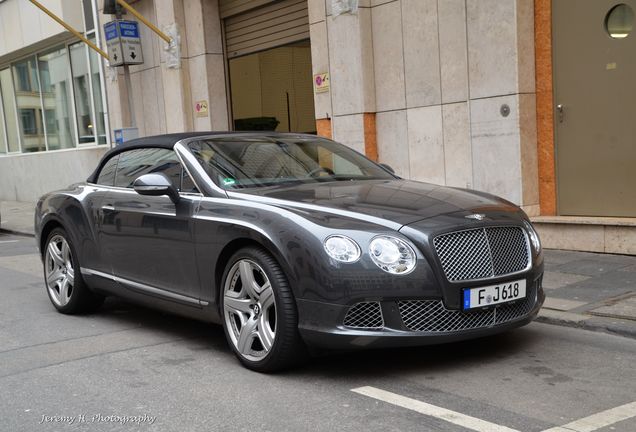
<point>401,202</point>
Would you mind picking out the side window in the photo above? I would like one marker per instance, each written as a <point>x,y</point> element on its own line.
<point>187,185</point>
<point>107,174</point>
<point>135,163</point>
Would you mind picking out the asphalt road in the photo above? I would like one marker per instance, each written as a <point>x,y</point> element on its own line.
<point>163,373</point>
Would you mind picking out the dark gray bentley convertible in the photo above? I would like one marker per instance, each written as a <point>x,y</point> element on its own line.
<point>290,241</point>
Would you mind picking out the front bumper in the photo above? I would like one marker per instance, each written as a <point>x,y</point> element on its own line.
<point>322,324</point>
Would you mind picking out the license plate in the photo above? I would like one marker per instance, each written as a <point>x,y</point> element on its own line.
<point>494,294</point>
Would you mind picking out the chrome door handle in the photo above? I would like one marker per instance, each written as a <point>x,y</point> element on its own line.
<point>108,207</point>
<point>559,108</point>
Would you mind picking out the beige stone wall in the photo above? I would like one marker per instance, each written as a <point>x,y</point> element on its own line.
<point>164,98</point>
<point>433,75</point>
<point>23,25</point>
<point>28,176</point>
<point>436,73</point>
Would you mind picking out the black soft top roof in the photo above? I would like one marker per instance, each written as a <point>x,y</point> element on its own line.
<point>168,141</point>
<point>163,141</point>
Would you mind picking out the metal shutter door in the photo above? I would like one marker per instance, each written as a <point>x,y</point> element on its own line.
<point>227,8</point>
<point>270,26</point>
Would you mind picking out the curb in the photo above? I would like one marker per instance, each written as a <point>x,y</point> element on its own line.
<point>14,232</point>
<point>620,327</point>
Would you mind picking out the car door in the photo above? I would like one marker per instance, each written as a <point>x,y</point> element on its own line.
<point>149,239</point>
<point>95,264</point>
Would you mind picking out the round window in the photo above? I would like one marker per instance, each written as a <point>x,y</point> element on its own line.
<point>619,21</point>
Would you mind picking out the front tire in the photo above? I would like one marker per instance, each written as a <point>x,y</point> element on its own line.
<point>64,284</point>
<point>260,318</point>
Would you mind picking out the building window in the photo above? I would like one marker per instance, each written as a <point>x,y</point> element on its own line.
<point>3,136</point>
<point>96,82</point>
<point>29,105</point>
<point>9,111</point>
<point>619,21</point>
<point>83,110</point>
<point>87,7</point>
<point>53,99</point>
<point>56,97</point>
<point>29,122</point>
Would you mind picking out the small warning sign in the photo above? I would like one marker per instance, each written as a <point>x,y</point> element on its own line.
<point>321,82</point>
<point>201,108</point>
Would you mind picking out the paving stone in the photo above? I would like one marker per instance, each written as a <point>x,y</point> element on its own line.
<point>558,257</point>
<point>622,309</point>
<point>606,286</point>
<point>631,268</point>
<point>29,264</point>
<point>613,258</point>
<point>558,317</point>
<point>17,216</point>
<point>590,267</point>
<point>12,245</point>
<point>554,280</point>
<point>562,304</point>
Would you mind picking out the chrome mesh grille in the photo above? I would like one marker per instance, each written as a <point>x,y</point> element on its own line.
<point>365,315</point>
<point>482,253</point>
<point>432,316</point>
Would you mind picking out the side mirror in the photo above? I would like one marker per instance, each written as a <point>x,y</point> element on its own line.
<point>156,185</point>
<point>388,168</point>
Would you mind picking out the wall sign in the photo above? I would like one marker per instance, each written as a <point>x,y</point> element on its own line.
<point>123,42</point>
<point>321,82</point>
<point>201,108</point>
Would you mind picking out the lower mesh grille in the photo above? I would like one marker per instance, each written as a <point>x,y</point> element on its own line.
<point>365,315</point>
<point>432,316</point>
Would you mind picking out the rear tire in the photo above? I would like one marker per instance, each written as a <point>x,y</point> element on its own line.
<point>63,279</point>
<point>259,312</point>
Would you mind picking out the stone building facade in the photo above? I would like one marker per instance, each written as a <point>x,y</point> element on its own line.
<point>454,92</point>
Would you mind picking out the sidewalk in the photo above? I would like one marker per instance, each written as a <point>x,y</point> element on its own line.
<point>587,290</point>
<point>590,290</point>
<point>17,217</point>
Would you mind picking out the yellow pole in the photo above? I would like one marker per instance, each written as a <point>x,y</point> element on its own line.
<point>71,29</point>
<point>141,18</point>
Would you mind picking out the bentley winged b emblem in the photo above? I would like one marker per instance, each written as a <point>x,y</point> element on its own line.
<point>476,216</point>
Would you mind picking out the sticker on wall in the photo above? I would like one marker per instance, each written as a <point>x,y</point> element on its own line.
<point>321,82</point>
<point>201,108</point>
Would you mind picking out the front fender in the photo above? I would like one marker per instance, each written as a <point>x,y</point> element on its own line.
<point>297,243</point>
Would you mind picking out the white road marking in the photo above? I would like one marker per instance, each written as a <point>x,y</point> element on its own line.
<point>459,419</point>
<point>586,424</point>
<point>599,420</point>
<point>9,241</point>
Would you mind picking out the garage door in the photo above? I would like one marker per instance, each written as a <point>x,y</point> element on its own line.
<point>257,25</point>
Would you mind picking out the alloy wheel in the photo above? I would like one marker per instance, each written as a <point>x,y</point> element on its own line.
<point>249,310</point>
<point>60,274</point>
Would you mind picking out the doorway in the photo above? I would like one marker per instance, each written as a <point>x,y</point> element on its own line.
<point>595,96</point>
<point>272,90</point>
<point>269,61</point>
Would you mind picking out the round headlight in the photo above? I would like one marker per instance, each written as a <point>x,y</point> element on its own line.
<point>342,249</point>
<point>534,236</point>
<point>392,255</point>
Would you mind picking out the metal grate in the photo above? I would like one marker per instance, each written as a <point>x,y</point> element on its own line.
<point>432,316</point>
<point>482,253</point>
<point>365,315</point>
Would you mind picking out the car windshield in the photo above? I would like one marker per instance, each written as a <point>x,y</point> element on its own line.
<point>268,161</point>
